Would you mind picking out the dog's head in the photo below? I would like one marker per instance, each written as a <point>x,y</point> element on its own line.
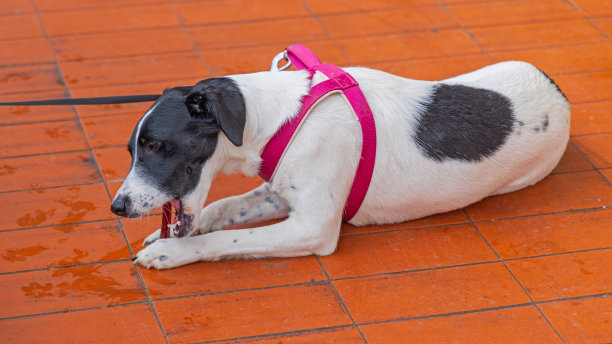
<point>172,147</point>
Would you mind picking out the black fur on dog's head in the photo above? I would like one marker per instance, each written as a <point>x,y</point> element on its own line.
<point>172,142</point>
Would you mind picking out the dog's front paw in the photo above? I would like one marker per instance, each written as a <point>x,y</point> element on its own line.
<point>165,254</point>
<point>153,237</point>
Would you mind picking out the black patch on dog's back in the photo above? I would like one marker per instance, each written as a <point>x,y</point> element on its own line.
<point>463,123</point>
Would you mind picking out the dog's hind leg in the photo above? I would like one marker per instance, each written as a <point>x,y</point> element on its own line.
<point>260,204</point>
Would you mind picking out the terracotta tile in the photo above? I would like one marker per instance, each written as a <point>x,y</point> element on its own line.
<point>54,5</point>
<point>20,26</point>
<point>388,21</point>
<point>256,59</point>
<point>251,313</point>
<point>62,246</point>
<point>548,234</point>
<point>41,138</point>
<point>111,130</point>
<point>219,11</point>
<point>26,51</point>
<point>566,275</point>
<point>561,192</point>
<point>406,250</point>
<point>31,114</point>
<point>282,32</point>
<point>113,187</point>
<point>109,19</point>
<point>453,217</point>
<point>581,321</point>
<point>572,161</point>
<point>537,35</point>
<point>136,230</point>
<point>587,87</point>
<point>591,118</point>
<point>569,59</point>
<point>9,7</point>
<point>61,169</point>
<point>597,148</point>
<point>434,68</point>
<point>607,174</point>
<point>49,207</point>
<point>605,24</point>
<point>114,162</point>
<point>154,87</point>
<point>230,185</point>
<point>224,276</point>
<point>511,12</point>
<point>131,70</point>
<point>595,7</point>
<point>86,327</point>
<point>430,292</point>
<point>69,288</point>
<point>30,79</point>
<point>344,335</point>
<point>124,43</point>
<point>407,46</point>
<point>342,6</point>
<point>510,325</point>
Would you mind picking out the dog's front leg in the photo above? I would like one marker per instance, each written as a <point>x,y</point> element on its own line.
<point>260,204</point>
<point>310,229</point>
<point>290,238</point>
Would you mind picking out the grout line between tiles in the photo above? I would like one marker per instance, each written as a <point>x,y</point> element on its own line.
<point>53,268</point>
<point>576,298</point>
<point>465,31</point>
<point>585,157</point>
<point>194,44</point>
<point>73,223</point>
<point>589,18</point>
<point>486,220</point>
<point>331,284</point>
<point>80,123</point>
<point>264,336</point>
<point>516,279</point>
<point>71,311</point>
<point>441,315</point>
<point>52,187</point>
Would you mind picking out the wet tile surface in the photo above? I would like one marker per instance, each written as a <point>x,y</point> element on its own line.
<point>531,266</point>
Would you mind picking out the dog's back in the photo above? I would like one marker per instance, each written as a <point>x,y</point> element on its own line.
<point>447,144</point>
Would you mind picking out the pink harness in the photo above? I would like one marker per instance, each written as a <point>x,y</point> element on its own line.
<point>339,81</point>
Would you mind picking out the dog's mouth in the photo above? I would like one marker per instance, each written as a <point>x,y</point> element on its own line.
<point>181,225</point>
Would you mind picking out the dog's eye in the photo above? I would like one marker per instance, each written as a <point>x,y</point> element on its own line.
<point>154,146</point>
<point>189,170</point>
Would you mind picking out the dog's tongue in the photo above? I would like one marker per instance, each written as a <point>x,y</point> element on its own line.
<point>167,216</point>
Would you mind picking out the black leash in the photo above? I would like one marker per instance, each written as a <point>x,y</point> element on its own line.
<point>89,101</point>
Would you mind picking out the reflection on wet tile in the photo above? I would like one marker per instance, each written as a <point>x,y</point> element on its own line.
<point>69,288</point>
<point>55,206</point>
<point>61,246</point>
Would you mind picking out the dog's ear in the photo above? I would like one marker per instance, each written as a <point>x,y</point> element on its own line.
<point>219,100</point>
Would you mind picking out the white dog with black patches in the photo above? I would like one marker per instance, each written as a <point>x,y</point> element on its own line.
<point>440,146</point>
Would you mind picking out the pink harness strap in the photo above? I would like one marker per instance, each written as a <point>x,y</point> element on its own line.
<point>339,81</point>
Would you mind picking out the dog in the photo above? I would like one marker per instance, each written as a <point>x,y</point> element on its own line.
<point>440,146</point>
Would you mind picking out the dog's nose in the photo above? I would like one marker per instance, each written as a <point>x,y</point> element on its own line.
<point>120,205</point>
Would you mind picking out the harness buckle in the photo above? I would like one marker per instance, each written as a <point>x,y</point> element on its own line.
<point>278,58</point>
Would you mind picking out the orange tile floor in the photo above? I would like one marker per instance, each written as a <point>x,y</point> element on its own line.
<point>534,266</point>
